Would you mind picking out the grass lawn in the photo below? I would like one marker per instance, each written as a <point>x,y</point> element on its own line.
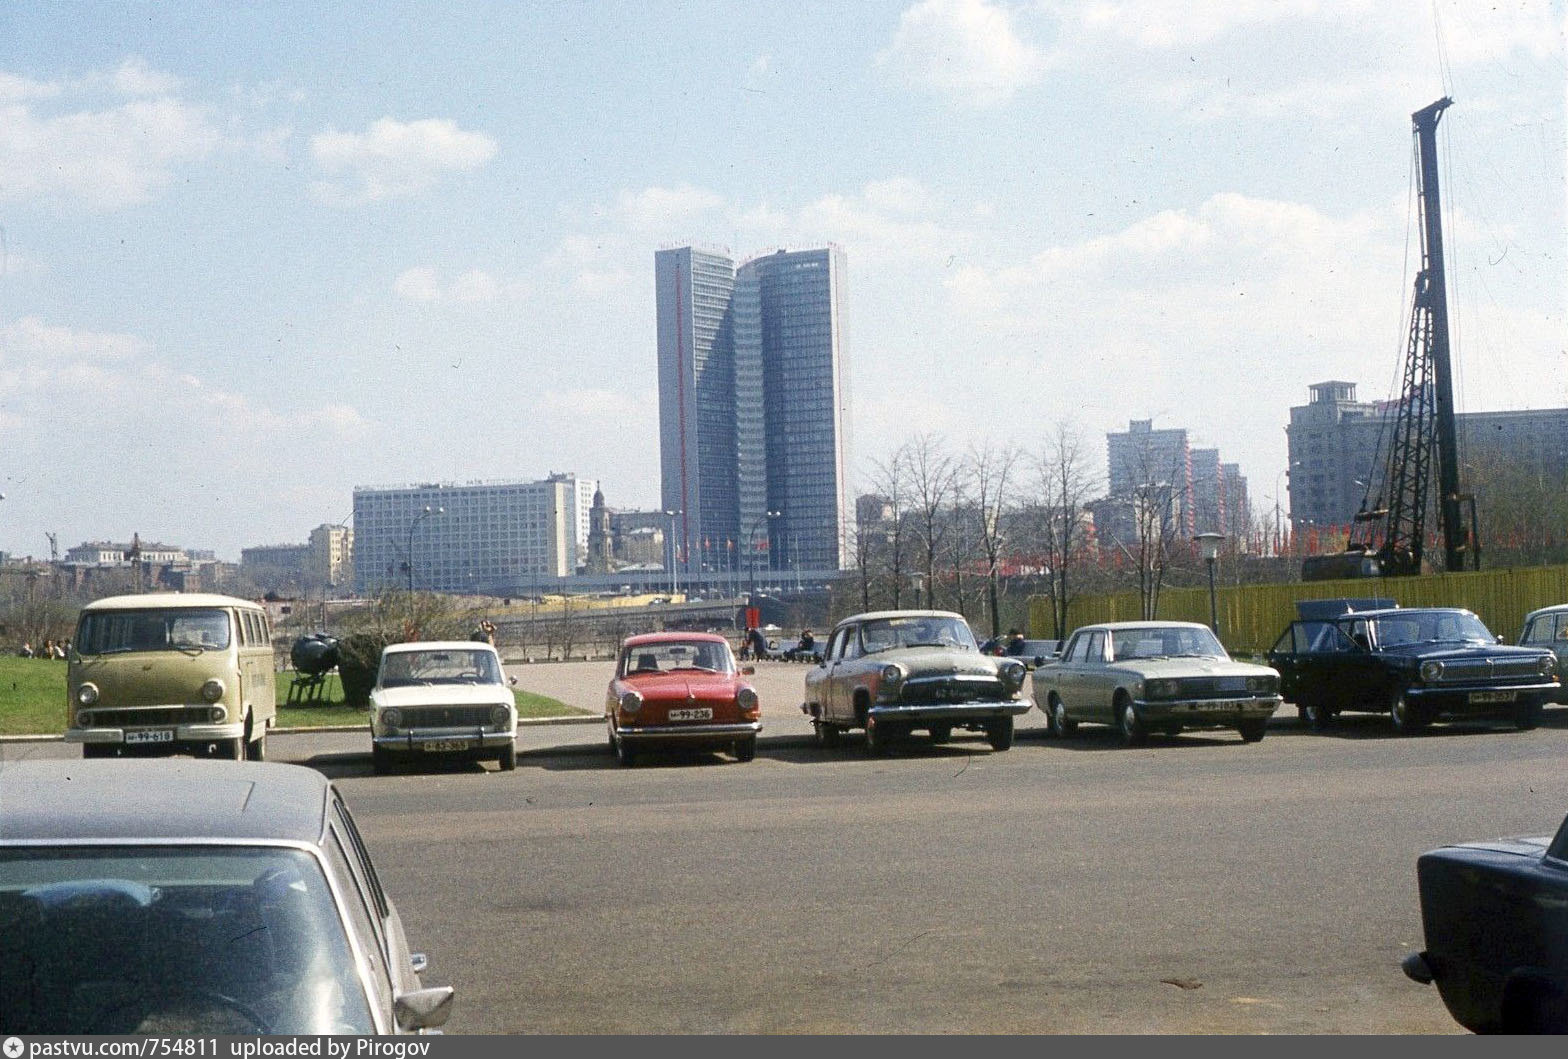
<point>32,701</point>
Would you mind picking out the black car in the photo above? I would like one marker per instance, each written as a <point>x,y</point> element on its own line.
<point>1415,664</point>
<point>1496,922</point>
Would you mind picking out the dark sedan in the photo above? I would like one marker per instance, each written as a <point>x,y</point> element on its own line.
<point>1496,922</point>
<point>1415,664</point>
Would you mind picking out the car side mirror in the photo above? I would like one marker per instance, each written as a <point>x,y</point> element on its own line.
<point>423,1009</point>
<point>747,671</point>
<point>513,680</point>
<point>1501,639</point>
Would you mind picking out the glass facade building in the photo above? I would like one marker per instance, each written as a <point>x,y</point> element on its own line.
<point>753,409</point>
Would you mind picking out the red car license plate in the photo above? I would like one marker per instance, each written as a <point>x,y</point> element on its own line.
<point>700,713</point>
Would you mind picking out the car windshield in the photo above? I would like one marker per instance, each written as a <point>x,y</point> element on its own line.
<point>173,940</point>
<point>1430,626</point>
<point>706,655</point>
<point>1165,641</point>
<point>401,669</point>
<point>883,634</point>
<point>104,632</point>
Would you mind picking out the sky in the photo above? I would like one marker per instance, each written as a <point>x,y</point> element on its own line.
<point>253,256</point>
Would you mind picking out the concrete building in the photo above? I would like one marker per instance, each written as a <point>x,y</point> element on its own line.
<point>108,553</point>
<point>1337,445</point>
<point>331,561</point>
<point>495,538</point>
<point>753,408</point>
<point>1142,462</point>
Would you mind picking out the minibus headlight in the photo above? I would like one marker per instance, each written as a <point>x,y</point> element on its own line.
<point>212,691</point>
<point>87,694</point>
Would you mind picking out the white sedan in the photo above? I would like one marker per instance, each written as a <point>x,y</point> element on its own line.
<point>442,697</point>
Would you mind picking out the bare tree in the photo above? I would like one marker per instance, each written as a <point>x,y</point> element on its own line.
<point>1067,483</point>
<point>931,484</point>
<point>990,472</point>
<point>888,549</point>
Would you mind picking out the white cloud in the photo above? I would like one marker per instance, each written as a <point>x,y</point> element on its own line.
<point>968,49</point>
<point>472,287</point>
<point>14,88</point>
<point>30,341</point>
<point>394,158</point>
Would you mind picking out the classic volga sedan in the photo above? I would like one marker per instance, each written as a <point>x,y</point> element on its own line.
<point>890,672</point>
<point>1495,915</point>
<point>680,690</point>
<point>1146,676</point>
<point>442,698</point>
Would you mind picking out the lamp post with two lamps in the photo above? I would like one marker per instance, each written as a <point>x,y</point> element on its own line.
<point>751,555</point>
<point>409,551</point>
<point>674,554</point>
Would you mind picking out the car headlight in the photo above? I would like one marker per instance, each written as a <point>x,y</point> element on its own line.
<point>212,691</point>
<point>1262,685</point>
<point>893,673</point>
<point>1164,688</point>
<point>500,717</point>
<point>87,694</point>
<point>630,702</point>
<point>1013,673</point>
<point>746,699</point>
<point>391,717</point>
<point>1431,671</point>
<point>1548,665</point>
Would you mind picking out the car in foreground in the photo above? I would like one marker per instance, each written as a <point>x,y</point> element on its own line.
<point>1416,664</point>
<point>171,673</point>
<point>1548,628</point>
<point>1150,676</point>
<point>181,897</point>
<point>680,690</point>
<point>442,697</point>
<point>892,672</point>
<point>1495,919</point>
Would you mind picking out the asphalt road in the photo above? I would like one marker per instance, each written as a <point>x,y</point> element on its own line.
<point>1198,884</point>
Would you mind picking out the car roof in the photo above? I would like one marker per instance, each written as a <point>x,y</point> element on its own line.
<point>161,798</point>
<point>671,637</point>
<point>438,645</point>
<point>1555,608</point>
<point>152,600</point>
<point>1398,612</point>
<point>876,614</point>
<point>1113,626</point>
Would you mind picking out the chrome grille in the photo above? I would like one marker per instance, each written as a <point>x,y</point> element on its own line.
<point>955,688</point>
<point>1470,670</point>
<point>148,716</point>
<point>445,716</point>
<point>1212,687</point>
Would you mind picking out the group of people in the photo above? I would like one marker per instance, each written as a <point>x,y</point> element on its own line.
<point>754,645</point>
<point>56,649</point>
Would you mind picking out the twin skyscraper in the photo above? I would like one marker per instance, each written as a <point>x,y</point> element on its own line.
<point>754,417</point>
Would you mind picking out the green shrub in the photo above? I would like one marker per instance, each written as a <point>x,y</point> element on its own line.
<point>358,656</point>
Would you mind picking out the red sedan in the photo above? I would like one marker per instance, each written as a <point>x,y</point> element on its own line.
<point>681,689</point>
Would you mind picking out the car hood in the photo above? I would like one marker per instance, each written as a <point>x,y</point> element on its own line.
<point>1533,846</point>
<point>944,660</point>
<point>1444,651</point>
<point>685,684</point>
<point>441,695</point>
<point>1192,667</point>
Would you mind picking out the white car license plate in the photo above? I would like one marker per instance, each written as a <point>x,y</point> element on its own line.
<point>152,735</point>
<point>441,745</point>
<point>701,713</point>
<point>1492,696</point>
<point>1224,704</point>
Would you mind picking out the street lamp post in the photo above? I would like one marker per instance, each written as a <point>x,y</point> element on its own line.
<point>675,555</point>
<point>1209,547</point>
<point>751,555</point>
<point>409,551</point>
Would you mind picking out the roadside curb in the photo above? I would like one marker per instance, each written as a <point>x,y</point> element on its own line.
<point>525,722</point>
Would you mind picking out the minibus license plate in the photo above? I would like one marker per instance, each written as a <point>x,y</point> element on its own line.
<point>151,735</point>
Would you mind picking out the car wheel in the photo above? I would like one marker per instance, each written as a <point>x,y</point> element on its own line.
<point>231,749</point>
<point>1406,718</point>
<point>1127,722</point>
<point>1316,715</point>
<point>999,733</point>
<point>1058,723</point>
<point>877,736</point>
<point>746,749</point>
<point>624,753</point>
<point>1252,730</point>
<point>508,757</point>
<point>1527,715</point>
<point>256,749</point>
<point>941,733</point>
<point>827,734</point>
